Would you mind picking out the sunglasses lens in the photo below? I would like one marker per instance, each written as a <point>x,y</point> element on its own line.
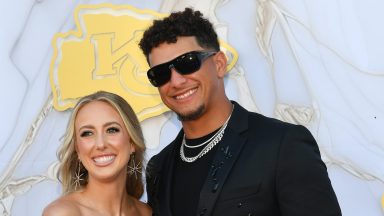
<point>187,63</point>
<point>159,75</point>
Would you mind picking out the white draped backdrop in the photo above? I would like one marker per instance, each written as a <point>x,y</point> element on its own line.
<point>317,63</point>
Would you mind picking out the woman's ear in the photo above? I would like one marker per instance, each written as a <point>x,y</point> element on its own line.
<point>221,63</point>
<point>75,147</point>
<point>133,147</point>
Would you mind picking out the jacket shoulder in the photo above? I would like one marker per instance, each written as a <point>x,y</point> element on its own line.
<point>258,124</point>
<point>158,159</point>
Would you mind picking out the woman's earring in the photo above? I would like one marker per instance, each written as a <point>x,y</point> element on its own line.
<point>133,168</point>
<point>78,176</point>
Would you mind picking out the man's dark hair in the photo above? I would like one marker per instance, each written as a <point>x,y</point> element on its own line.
<point>182,23</point>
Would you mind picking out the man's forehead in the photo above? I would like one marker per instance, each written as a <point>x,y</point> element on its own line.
<point>167,51</point>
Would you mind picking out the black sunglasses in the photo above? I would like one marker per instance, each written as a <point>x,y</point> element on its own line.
<point>184,64</point>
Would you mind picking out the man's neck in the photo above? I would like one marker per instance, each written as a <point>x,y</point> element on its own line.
<point>208,122</point>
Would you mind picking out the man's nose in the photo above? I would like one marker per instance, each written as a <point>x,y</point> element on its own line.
<point>176,78</point>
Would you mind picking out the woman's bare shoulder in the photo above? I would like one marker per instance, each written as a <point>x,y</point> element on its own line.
<point>62,207</point>
<point>143,208</point>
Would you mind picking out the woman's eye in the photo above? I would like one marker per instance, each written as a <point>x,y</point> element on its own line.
<point>113,130</point>
<point>85,134</point>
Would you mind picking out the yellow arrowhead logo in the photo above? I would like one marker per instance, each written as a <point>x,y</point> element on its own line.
<point>103,54</point>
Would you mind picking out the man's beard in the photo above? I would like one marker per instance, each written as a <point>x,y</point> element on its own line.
<point>192,115</point>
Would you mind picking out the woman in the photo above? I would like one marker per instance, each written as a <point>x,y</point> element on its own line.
<point>101,160</point>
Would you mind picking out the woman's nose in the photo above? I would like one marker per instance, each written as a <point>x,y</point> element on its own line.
<point>100,142</point>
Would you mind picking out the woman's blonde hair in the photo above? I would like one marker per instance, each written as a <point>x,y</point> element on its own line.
<point>69,162</point>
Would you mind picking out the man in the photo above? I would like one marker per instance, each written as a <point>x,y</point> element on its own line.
<point>225,160</point>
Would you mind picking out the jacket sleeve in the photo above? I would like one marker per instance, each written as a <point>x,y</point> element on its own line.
<point>152,185</point>
<point>302,183</point>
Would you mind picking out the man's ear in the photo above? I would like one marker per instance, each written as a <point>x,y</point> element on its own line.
<point>221,64</point>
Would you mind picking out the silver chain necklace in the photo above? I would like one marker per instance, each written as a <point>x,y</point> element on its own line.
<point>209,140</point>
<point>212,142</point>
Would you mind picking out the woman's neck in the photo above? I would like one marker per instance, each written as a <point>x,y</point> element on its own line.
<point>109,197</point>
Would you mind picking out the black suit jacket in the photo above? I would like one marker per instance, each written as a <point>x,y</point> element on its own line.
<point>262,167</point>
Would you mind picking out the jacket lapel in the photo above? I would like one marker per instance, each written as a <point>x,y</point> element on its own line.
<point>225,157</point>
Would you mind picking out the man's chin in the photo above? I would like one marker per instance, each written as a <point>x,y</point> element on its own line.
<point>190,116</point>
